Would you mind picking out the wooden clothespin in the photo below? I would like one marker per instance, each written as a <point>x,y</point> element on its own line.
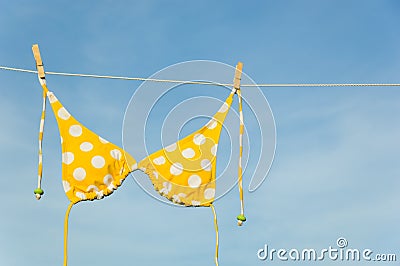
<point>238,76</point>
<point>39,63</point>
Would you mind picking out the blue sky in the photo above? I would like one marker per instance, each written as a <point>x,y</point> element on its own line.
<point>336,171</point>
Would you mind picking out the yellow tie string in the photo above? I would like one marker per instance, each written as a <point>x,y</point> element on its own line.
<point>66,233</point>
<point>216,234</point>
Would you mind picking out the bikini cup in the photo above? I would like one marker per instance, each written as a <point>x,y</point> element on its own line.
<point>183,172</point>
<point>92,167</point>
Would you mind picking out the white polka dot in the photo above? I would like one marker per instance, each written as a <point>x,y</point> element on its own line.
<point>81,195</point>
<point>209,193</point>
<point>177,198</point>
<point>155,174</point>
<point>166,188</point>
<point>108,179</point>
<point>92,188</point>
<point>214,149</point>
<point>134,167</point>
<point>121,170</point>
<point>195,203</point>
<point>99,194</point>
<point>171,147</point>
<point>103,140</point>
<point>159,160</point>
<point>206,165</point>
<point>66,186</point>
<point>52,97</point>
<point>199,139</point>
<point>223,108</point>
<point>212,124</point>
<point>188,153</point>
<point>194,181</point>
<point>75,130</point>
<point>111,187</point>
<point>116,154</point>
<point>79,174</point>
<point>98,162</point>
<point>176,169</point>
<point>86,146</point>
<point>61,140</point>
<point>63,114</point>
<point>67,157</point>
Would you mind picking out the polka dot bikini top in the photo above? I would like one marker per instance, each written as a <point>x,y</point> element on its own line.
<point>183,172</point>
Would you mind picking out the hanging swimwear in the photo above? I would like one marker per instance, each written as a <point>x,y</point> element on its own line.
<point>183,172</point>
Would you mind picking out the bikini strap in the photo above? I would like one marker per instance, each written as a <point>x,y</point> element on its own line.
<point>236,86</point>
<point>66,233</point>
<point>39,191</point>
<point>241,218</point>
<point>42,79</point>
<point>216,234</point>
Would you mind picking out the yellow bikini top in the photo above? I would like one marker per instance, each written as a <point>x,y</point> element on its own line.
<point>183,172</point>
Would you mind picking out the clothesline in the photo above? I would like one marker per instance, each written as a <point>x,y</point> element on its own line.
<point>207,82</point>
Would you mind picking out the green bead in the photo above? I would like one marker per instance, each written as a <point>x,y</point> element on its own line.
<point>241,218</point>
<point>38,191</point>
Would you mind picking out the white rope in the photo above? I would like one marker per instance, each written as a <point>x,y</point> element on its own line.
<point>17,69</point>
<point>207,82</point>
